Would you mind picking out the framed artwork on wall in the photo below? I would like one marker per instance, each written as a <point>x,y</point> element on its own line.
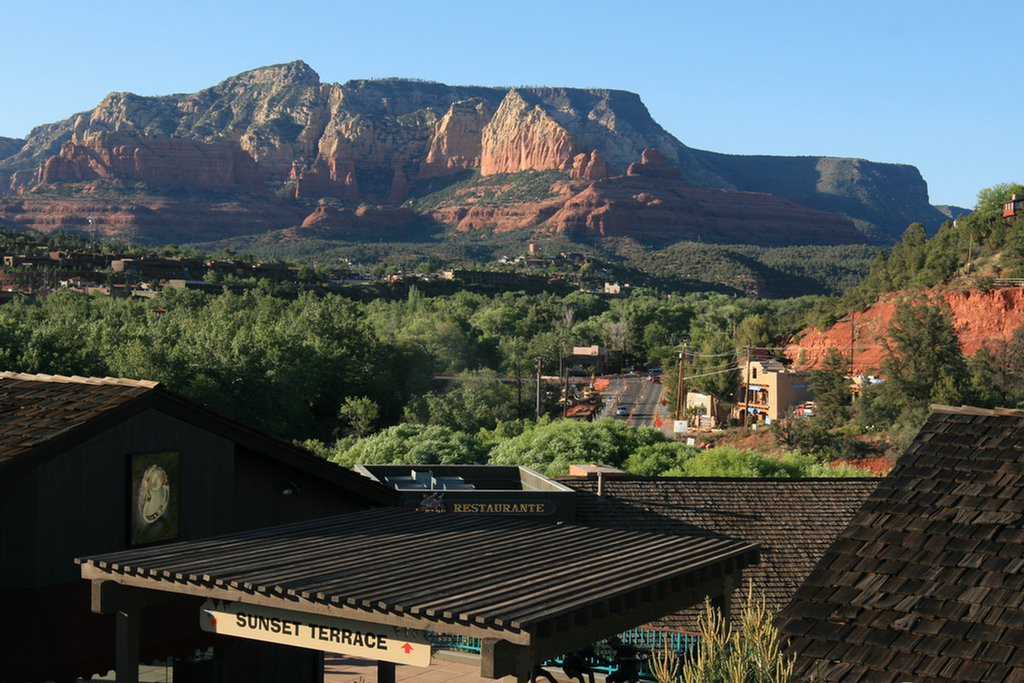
<point>155,492</point>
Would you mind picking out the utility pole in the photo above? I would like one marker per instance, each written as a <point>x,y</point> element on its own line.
<point>852,317</point>
<point>538,388</point>
<point>746,391</point>
<point>681,385</point>
<point>563,378</point>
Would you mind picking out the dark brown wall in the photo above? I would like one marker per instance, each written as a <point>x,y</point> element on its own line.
<point>260,499</point>
<point>79,501</point>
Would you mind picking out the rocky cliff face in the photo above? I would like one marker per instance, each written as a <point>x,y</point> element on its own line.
<point>651,204</point>
<point>279,129</point>
<point>215,165</point>
<point>981,318</point>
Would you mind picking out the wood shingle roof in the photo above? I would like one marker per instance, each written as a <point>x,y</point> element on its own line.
<point>41,416</point>
<point>35,409</point>
<point>927,582</point>
<point>793,521</point>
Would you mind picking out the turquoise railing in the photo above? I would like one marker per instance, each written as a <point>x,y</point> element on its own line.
<point>653,639</point>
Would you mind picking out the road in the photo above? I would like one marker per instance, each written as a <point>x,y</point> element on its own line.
<point>638,396</point>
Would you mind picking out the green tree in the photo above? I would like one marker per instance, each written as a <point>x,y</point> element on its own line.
<point>550,447</point>
<point>923,360</point>
<point>478,400</point>
<point>831,388</point>
<point>652,460</point>
<point>409,444</point>
<point>360,414</point>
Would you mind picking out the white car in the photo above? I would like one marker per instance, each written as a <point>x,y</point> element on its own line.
<point>622,410</point>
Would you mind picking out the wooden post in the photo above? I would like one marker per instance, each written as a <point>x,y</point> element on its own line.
<point>127,644</point>
<point>385,672</point>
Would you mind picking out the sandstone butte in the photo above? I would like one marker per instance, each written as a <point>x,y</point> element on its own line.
<point>277,134</point>
<point>982,318</point>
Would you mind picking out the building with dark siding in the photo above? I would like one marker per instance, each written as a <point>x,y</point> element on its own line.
<point>93,465</point>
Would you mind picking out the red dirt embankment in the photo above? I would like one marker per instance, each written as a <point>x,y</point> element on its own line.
<point>982,318</point>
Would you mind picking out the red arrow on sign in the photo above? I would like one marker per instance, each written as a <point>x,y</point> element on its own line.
<point>407,647</point>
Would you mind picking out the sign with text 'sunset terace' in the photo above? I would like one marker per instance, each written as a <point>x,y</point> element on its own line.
<point>316,632</point>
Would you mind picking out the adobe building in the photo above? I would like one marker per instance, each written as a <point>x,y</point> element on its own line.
<point>93,466</point>
<point>1013,208</point>
<point>586,359</point>
<point>768,389</point>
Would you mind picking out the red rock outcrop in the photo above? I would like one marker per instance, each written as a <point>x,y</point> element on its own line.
<point>654,206</point>
<point>365,223</point>
<point>148,219</point>
<point>982,318</point>
<point>654,164</point>
<point>523,137</point>
<point>22,181</point>
<point>589,166</point>
<point>399,188</point>
<point>456,145</point>
<point>330,177</point>
<point>218,165</point>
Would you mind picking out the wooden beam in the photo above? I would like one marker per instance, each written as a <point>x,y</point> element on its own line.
<point>109,597</point>
<point>156,585</point>
<point>500,658</point>
<point>616,622</point>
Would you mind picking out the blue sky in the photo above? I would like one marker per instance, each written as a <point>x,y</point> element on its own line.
<point>931,84</point>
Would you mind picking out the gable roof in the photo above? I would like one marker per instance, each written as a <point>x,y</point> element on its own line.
<point>927,582</point>
<point>793,521</point>
<point>43,415</point>
<point>37,408</point>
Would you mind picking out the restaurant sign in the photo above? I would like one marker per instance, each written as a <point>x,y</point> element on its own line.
<point>435,502</point>
<point>316,632</point>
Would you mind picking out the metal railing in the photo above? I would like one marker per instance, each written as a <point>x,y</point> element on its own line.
<point>653,639</point>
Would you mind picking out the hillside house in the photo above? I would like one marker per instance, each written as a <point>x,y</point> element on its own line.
<point>585,358</point>
<point>1013,208</point>
<point>768,389</point>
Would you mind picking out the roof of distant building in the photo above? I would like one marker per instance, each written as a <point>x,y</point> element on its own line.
<point>793,521</point>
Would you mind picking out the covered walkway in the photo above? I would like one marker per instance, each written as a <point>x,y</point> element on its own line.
<point>529,591</point>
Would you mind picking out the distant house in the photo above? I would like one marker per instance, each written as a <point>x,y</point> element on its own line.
<point>616,289</point>
<point>793,521</point>
<point>92,465</point>
<point>706,410</point>
<point>584,358</point>
<point>1013,208</point>
<point>768,389</point>
<point>927,581</point>
<point>161,268</point>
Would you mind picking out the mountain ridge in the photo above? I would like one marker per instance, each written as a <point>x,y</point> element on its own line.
<point>280,131</point>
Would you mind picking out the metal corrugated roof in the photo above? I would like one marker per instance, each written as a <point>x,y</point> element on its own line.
<point>484,573</point>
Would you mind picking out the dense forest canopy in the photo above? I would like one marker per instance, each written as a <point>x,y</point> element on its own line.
<point>419,377</point>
